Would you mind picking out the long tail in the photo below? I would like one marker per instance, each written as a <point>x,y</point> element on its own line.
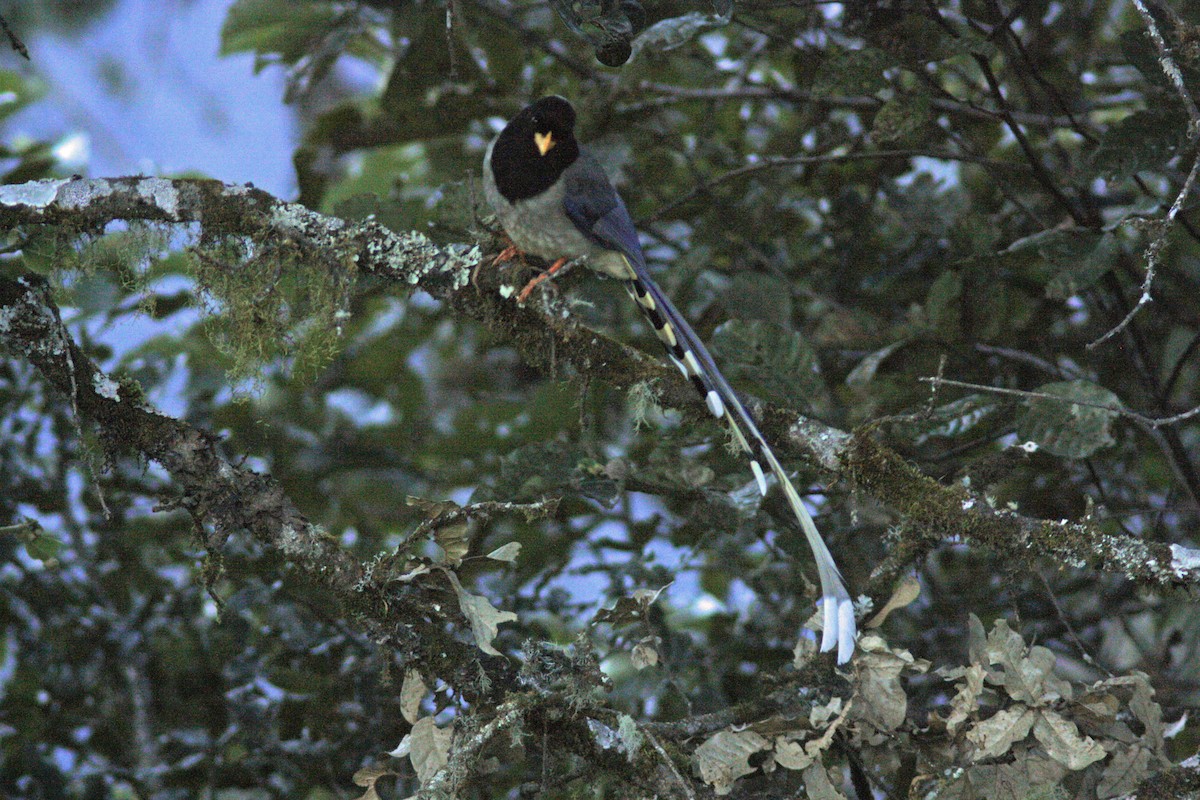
<point>696,363</point>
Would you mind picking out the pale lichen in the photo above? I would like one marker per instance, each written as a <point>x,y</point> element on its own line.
<point>160,193</point>
<point>106,387</point>
<point>1184,560</point>
<point>77,195</point>
<point>34,194</point>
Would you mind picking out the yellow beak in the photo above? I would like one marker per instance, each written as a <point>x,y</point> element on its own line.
<point>544,142</point>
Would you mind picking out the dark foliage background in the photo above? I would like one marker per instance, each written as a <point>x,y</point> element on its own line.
<point>846,199</point>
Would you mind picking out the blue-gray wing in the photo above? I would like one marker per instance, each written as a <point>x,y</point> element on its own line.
<point>595,208</point>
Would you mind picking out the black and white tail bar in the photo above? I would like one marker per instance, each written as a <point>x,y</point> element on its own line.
<point>694,361</point>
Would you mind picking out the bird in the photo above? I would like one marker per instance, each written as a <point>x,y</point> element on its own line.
<point>555,201</point>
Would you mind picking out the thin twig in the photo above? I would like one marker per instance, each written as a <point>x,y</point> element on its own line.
<point>1152,253</point>
<point>1167,62</point>
<point>772,162</point>
<point>669,94</point>
<point>1171,69</point>
<point>1149,422</point>
<point>13,39</point>
<point>1084,653</point>
<point>65,341</point>
<point>1029,358</point>
<point>687,787</point>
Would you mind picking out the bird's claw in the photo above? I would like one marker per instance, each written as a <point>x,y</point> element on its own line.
<point>529,287</point>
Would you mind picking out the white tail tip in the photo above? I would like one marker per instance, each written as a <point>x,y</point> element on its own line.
<point>714,403</point>
<point>838,628</point>
<point>758,476</point>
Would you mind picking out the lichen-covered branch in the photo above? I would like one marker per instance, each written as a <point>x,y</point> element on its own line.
<point>546,340</point>
<point>223,497</point>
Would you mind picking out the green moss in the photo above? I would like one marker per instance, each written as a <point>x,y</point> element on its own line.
<point>271,301</point>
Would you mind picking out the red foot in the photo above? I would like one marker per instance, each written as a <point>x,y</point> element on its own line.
<point>507,254</point>
<point>555,267</point>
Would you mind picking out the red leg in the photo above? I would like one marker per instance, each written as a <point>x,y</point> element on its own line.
<point>555,267</point>
<point>507,254</point>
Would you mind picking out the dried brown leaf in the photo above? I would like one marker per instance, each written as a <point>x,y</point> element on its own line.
<point>644,654</point>
<point>908,590</point>
<point>508,552</point>
<point>994,736</point>
<point>1063,741</point>
<point>1027,777</point>
<point>629,609</point>
<point>412,691</point>
<point>367,777</point>
<point>966,702</point>
<point>817,785</point>
<point>880,698</point>
<point>429,748</point>
<point>484,617</point>
<point>791,755</point>
<point>1128,768</point>
<point>725,756</point>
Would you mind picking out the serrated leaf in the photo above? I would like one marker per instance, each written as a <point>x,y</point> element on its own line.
<point>1063,741</point>
<point>1127,770</point>
<point>965,703</point>
<point>1028,777</point>
<point>995,735</point>
<point>880,700</point>
<point>1060,425</point>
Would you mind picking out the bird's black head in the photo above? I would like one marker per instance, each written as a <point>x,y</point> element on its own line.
<point>534,148</point>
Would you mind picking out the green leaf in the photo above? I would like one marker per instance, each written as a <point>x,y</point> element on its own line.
<point>16,92</point>
<point>951,420</point>
<point>676,31</point>
<point>943,307</point>
<point>901,117</point>
<point>1081,257</point>
<point>286,28</point>
<point>1145,140</point>
<point>1060,425</point>
<point>780,362</point>
<point>43,546</point>
<point>852,72</point>
<point>759,296</point>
